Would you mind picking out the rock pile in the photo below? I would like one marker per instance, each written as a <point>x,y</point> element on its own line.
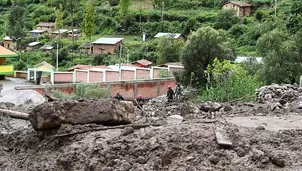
<point>159,107</point>
<point>276,92</point>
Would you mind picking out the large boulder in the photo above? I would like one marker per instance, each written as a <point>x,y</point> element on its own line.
<point>105,111</point>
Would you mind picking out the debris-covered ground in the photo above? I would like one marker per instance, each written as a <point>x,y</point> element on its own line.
<point>266,135</point>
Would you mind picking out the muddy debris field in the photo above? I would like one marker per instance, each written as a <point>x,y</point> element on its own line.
<point>111,135</point>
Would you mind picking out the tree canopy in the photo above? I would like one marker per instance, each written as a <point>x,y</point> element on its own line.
<point>201,49</point>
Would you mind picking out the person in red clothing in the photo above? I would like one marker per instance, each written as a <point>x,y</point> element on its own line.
<point>170,94</point>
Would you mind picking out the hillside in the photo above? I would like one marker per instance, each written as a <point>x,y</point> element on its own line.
<point>180,16</point>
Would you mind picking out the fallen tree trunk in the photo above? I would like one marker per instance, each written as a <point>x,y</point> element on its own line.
<point>15,114</point>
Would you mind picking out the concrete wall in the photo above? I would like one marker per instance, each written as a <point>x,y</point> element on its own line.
<point>143,73</point>
<point>81,76</point>
<point>63,77</point>
<point>128,89</point>
<point>112,76</point>
<point>128,75</point>
<point>96,76</point>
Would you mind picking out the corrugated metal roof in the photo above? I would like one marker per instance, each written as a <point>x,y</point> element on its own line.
<point>172,35</point>
<point>46,47</point>
<point>37,31</point>
<point>45,24</point>
<point>108,41</point>
<point>240,59</point>
<point>33,43</point>
<point>86,45</point>
<point>60,31</point>
<point>171,64</point>
<point>7,38</point>
<point>241,4</point>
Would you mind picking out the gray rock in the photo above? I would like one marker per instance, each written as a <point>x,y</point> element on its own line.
<point>128,130</point>
<point>105,111</point>
<point>213,159</point>
<point>174,119</point>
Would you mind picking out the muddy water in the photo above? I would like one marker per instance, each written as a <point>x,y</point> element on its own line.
<point>9,94</point>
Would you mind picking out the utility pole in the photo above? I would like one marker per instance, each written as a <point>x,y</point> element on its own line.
<point>162,15</point>
<point>120,60</point>
<point>57,63</point>
<point>276,8</point>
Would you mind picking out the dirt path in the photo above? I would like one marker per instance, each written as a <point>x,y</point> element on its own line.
<point>269,122</point>
<point>9,94</point>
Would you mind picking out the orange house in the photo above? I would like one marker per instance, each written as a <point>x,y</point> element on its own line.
<point>106,45</point>
<point>242,8</point>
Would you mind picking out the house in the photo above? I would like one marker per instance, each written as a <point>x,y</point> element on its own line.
<point>171,35</point>
<point>33,46</point>
<point>37,33</point>
<point>106,45</point>
<point>47,48</point>
<point>61,32</point>
<point>242,8</point>
<point>75,35</point>
<point>8,43</point>
<point>142,63</point>
<point>6,69</point>
<point>85,47</point>
<point>48,26</point>
<point>86,67</point>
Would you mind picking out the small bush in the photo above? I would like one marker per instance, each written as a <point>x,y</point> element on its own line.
<point>230,82</point>
<point>83,91</point>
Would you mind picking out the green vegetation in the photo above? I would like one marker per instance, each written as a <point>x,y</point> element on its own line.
<point>83,91</point>
<point>230,82</point>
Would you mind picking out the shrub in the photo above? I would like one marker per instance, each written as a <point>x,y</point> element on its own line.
<point>229,82</point>
<point>84,91</point>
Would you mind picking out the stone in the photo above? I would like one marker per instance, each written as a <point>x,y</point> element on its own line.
<point>213,159</point>
<point>300,105</point>
<point>174,119</point>
<point>52,115</point>
<point>227,108</point>
<point>260,128</point>
<point>278,158</point>
<point>128,130</point>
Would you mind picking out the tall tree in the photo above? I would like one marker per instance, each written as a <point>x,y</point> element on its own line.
<point>282,56</point>
<point>168,50</point>
<point>124,7</point>
<point>226,19</point>
<point>89,19</point>
<point>71,6</point>
<point>59,18</point>
<point>16,24</point>
<point>201,49</point>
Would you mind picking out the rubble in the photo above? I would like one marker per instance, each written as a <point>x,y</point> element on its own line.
<point>177,135</point>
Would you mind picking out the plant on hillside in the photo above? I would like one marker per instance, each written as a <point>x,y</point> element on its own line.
<point>168,50</point>
<point>89,19</point>
<point>201,49</point>
<point>59,18</point>
<point>226,19</point>
<point>16,24</point>
<point>229,82</point>
<point>124,7</point>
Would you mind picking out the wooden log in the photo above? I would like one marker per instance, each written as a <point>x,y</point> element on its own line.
<point>15,114</point>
